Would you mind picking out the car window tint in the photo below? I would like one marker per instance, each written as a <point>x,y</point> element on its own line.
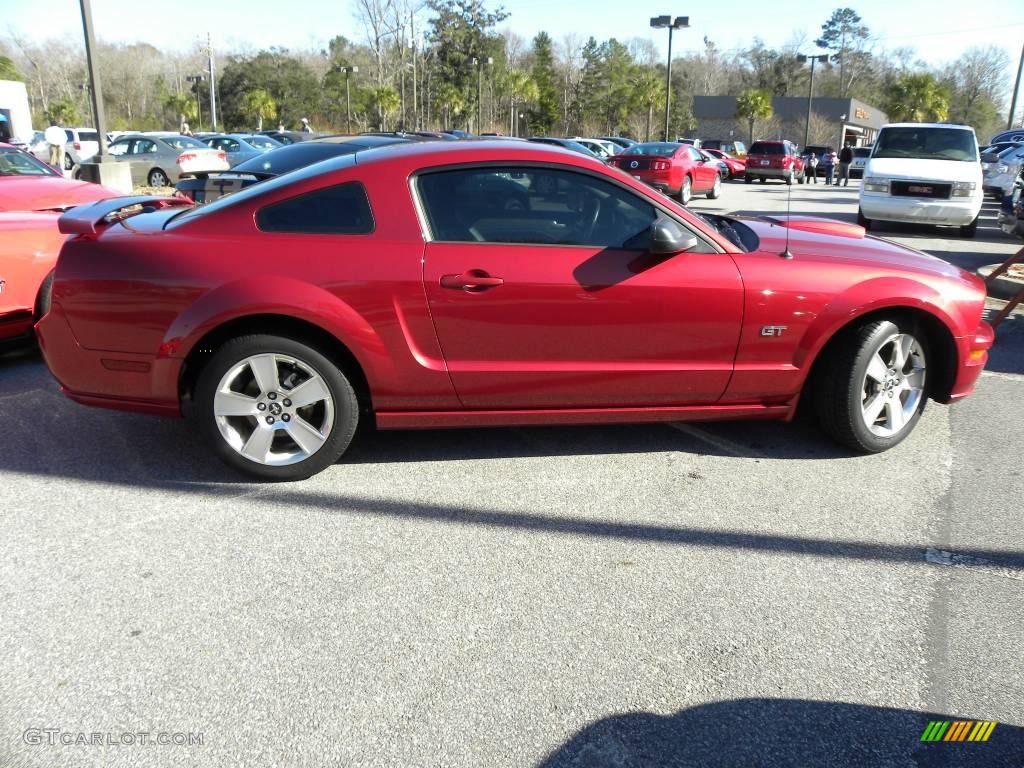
<point>339,210</point>
<point>118,148</point>
<point>144,147</point>
<point>533,206</point>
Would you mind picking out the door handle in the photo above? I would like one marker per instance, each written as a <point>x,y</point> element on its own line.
<point>473,281</point>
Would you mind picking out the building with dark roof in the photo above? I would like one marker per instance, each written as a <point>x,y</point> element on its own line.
<point>833,121</point>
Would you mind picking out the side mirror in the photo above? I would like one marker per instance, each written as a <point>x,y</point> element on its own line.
<point>667,237</point>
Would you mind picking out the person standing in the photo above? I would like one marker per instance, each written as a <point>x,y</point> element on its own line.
<point>306,127</point>
<point>845,158</point>
<point>812,163</point>
<point>185,130</point>
<point>828,163</point>
<point>56,138</point>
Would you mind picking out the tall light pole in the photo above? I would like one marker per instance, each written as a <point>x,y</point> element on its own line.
<point>479,64</point>
<point>1016,91</point>
<point>810,90</point>
<point>348,96</point>
<point>94,80</point>
<point>208,50</point>
<point>662,22</point>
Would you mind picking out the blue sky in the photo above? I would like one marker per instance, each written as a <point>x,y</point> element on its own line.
<point>939,29</point>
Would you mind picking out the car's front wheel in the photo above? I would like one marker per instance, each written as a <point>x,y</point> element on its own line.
<point>871,386</point>
<point>274,407</point>
<point>969,230</point>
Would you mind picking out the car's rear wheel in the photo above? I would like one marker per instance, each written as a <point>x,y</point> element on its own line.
<point>863,220</point>
<point>274,407</point>
<point>157,178</point>
<point>970,230</point>
<point>686,191</point>
<point>716,189</point>
<point>748,179</point>
<point>871,387</point>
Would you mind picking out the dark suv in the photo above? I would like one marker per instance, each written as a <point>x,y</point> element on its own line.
<point>774,160</point>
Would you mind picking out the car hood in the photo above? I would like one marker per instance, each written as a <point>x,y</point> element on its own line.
<point>840,242</point>
<point>908,168</point>
<point>27,193</point>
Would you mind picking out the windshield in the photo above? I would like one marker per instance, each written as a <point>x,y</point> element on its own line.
<point>262,142</point>
<point>927,143</point>
<point>14,162</point>
<point>181,142</point>
<point>657,148</point>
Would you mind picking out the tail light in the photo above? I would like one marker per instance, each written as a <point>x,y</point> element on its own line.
<point>222,155</point>
<point>185,157</point>
<point>660,165</point>
<point>78,145</point>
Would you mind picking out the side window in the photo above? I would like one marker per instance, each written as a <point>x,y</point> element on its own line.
<point>229,145</point>
<point>533,206</point>
<point>339,210</point>
<point>118,148</point>
<point>143,147</point>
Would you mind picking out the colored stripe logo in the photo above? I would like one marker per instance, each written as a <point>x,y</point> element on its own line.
<point>958,730</point>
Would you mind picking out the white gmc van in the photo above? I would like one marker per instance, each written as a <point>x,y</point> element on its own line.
<point>928,173</point>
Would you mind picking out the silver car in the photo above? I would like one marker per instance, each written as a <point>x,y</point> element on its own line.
<point>154,158</point>
<point>1001,174</point>
<point>240,147</point>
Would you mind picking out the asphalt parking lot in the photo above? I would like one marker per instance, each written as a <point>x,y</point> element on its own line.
<point>695,595</point>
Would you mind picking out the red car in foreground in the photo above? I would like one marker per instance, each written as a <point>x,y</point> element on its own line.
<point>487,283</point>
<point>675,169</point>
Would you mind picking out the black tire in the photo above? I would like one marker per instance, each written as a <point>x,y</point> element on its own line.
<point>345,406</point>
<point>68,162</point>
<point>716,189</point>
<point>862,221</point>
<point>157,178</point>
<point>45,297</point>
<point>969,230</point>
<point>686,191</point>
<point>837,390</point>
<point>748,179</point>
<point>763,180</point>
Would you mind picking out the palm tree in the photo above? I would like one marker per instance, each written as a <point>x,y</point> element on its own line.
<point>260,104</point>
<point>648,90</point>
<point>917,99</point>
<point>451,100</point>
<point>522,89</point>
<point>183,106</point>
<point>387,101</point>
<point>753,105</point>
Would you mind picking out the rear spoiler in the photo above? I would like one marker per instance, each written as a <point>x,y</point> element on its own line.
<point>84,219</point>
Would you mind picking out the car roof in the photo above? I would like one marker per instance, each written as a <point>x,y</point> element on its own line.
<point>957,126</point>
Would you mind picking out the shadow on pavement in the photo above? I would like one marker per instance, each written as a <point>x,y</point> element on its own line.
<point>782,733</point>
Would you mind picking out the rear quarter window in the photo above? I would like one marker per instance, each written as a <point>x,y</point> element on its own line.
<point>339,210</point>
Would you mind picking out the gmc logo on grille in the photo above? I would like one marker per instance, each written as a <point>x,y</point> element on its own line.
<point>917,188</point>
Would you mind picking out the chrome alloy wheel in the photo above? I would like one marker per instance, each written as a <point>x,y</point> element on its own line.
<point>893,385</point>
<point>274,409</point>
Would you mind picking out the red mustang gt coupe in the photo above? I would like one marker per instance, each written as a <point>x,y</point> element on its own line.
<point>675,169</point>
<point>487,282</point>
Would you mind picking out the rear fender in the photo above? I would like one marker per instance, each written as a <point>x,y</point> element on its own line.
<point>282,296</point>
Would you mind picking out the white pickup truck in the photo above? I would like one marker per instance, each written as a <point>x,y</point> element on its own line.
<point>926,173</point>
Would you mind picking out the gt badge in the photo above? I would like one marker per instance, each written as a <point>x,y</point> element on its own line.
<point>773,330</point>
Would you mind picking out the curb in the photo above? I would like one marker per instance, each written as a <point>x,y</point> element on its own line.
<point>1002,287</point>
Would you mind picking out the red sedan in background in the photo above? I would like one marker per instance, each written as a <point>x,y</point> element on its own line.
<point>486,283</point>
<point>735,164</point>
<point>676,169</point>
<point>29,239</point>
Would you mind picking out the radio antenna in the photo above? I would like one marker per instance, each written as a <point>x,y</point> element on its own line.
<point>786,253</point>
